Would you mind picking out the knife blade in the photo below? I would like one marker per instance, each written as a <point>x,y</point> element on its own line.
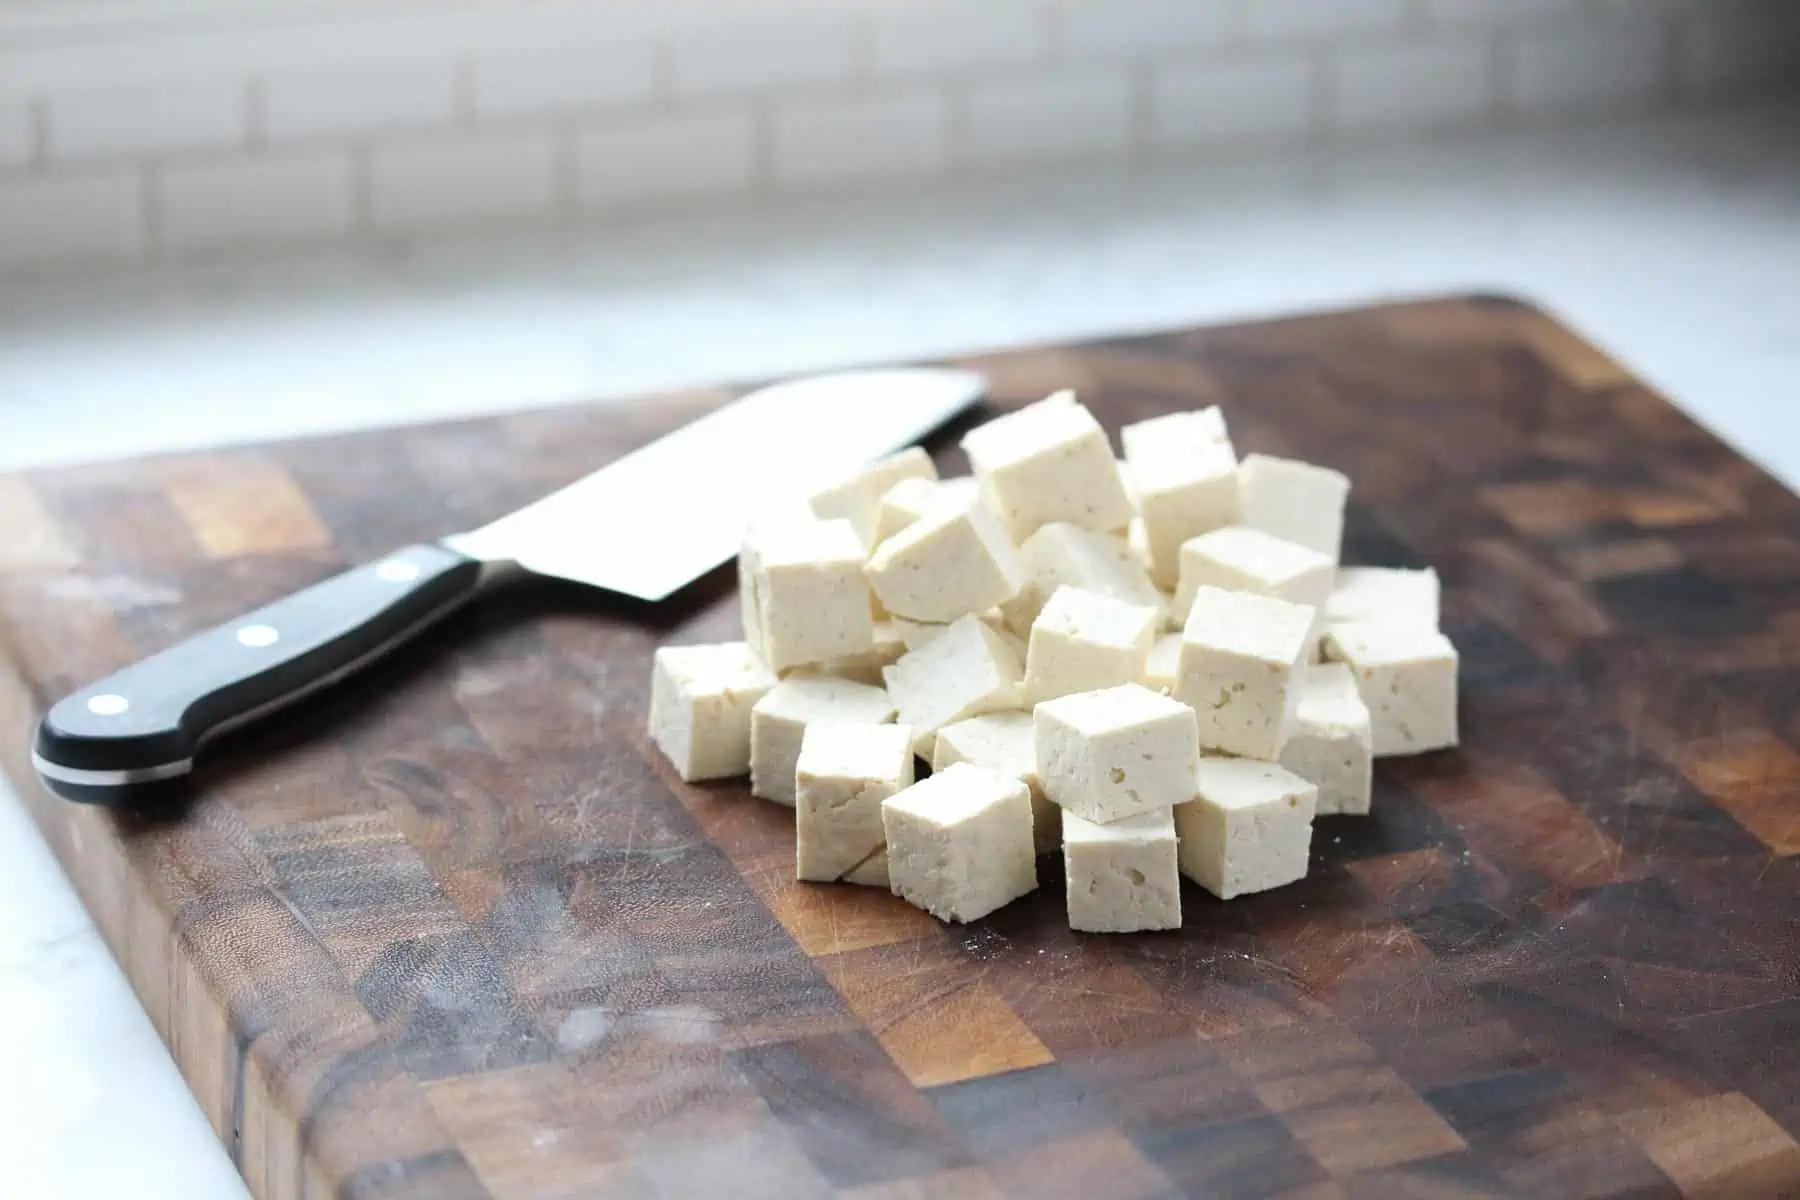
<point>644,526</point>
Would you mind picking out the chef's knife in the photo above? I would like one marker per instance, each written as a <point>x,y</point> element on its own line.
<point>643,526</point>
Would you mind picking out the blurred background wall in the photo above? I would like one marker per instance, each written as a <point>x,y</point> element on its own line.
<point>136,131</point>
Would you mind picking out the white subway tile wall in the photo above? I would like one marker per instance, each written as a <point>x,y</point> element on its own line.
<point>359,100</point>
<point>271,198</point>
<point>1214,102</point>
<point>1093,27</point>
<point>1741,47</point>
<point>960,38</point>
<point>1304,18</point>
<point>15,135</point>
<point>143,121</point>
<point>826,141</point>
<point>1070,115</point>
<point>694,158</point>
<point>144,132</point>
<point>85,218</point>
<point>1465,12</point>
<point>764,58</point>
<point>533,82</point>
<point>1447,81</point>
<point>459,181</point>
<point>1614,66</point>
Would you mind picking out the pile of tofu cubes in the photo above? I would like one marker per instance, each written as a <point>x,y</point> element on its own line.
<point>1155,666</point>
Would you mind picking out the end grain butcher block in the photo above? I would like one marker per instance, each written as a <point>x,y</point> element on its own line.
<point>456,931</point>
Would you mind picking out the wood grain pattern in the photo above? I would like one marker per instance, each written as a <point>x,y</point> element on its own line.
<point>456,931</point>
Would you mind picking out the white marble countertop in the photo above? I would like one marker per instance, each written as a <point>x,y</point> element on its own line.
<point>1675,244</point>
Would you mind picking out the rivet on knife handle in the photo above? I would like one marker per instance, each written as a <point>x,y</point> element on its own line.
<point>145,724</point>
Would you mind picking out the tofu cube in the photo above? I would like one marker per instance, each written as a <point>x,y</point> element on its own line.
<point>914,634</point>
<point>1004,742</point>
<point>1384,594</point>
<point>959,843</point>
<point>1138,539</point>
<point>749,608</point>
<point>1297,501</point>
<point>958,488</point>
<point>1240,559</point>
<point>700,702</point>
<point>1407,677</point>
<point>1248,829</point>
<point>1242,659</point>
<point>866,667</point>
<point>1064,555</point>
<point>779,720</point>
<point>1330,746</point>
<point>1084,642</point>
<point>900,506</point>
<point>1050,461</point>
<point>955,559</point>
<point>843,774</point>
<point>967,670</point>
<point>1175,434</point>
<point>857,498</point>
<point>1123,877</point>
<point>871,871</point>
<point>1182,497</point>
<point>1164,664</point>
<point>1113,754</point>
<point>804,592</point>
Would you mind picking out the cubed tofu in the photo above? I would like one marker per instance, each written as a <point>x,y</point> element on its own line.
<point>779,720</point>
<point>700,702</point>
<point>866,667</point>
<point>1174,434</point>
<point>1331,745</point>
<point>1248,829</point>
<point>1241,559</point>
<point>959,843</point>
<point>1163,664</point>
<point>1138,539</point>
<point>1050,461</point>
<point>967,670</point>
<point>1004,742</point>
<point>1294,500</point>
<point>957,489</point>
<point>914,634</point>
<point>1123,877</point>
<point>804,592</point>
<point>1182,497</point>
<point>1392,594</point>
<point>1115,753</point>
<point>953,560</point>
<point>871,871</point>
<point>749,607</point>
<point>1064,555</point>
<point>1407,677</point>
<point>900,506</point>
<point>909,500</point>
<point>857,498</point>
<point>1083,642</point>
<point>1242,659</point>
<point>844,772</point>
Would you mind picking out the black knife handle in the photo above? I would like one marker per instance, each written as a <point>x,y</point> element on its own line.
<point>145,724</point>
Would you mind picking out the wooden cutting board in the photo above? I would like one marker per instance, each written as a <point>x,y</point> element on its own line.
<point>455,930</point>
